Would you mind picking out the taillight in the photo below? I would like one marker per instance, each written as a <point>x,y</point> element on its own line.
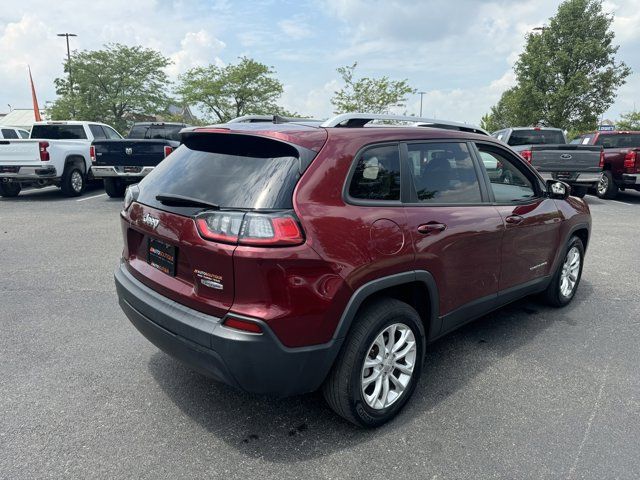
<point>243,325</point>
<point>526,154</point>
<point>167,150</point>
<point>631,161</point>
<point>256,229</point>
<point>601,159</point>
<point>44,154</point>
<point>92,154</point>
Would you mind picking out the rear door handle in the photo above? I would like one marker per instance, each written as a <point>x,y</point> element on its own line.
<point>514,219</point>
<point>431,227</point>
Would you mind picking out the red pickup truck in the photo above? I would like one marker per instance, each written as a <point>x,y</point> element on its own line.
<point>621,161</point>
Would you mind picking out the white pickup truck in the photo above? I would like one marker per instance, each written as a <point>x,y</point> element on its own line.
<point>56,153</point>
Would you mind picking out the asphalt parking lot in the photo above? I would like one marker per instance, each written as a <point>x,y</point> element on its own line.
<point>526,392</point>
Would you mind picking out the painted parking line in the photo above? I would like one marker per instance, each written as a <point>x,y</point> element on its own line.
<point>89,198</point>
<point>43,189</point>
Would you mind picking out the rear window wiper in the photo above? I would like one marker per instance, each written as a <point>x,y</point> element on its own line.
<point>172,200</point>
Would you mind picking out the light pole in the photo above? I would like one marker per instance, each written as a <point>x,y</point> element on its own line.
<point>73,106</point>
<point>421,94</point>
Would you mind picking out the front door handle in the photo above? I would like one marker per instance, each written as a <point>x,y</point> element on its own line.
<point>514,219</point>
<point>431,227</point>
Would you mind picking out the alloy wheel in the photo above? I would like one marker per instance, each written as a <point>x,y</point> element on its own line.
<point>570,271</point>
<point>76,181</point>
<point>603,184</point>
<point>388,366</point>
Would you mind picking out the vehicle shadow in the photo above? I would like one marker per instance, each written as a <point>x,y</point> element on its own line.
<point>51,194</point>
<point>628,196</point>
<point>296,429</point>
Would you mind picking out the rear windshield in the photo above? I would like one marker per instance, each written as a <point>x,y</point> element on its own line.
<point>535,137</point>
<point>59,132</point>
<point>232,171</point>
<point>619,140</point>
<point>161,132</point>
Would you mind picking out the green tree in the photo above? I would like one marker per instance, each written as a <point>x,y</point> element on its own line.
<point>248,87</point>
<point>567,75</point>
<point>629,121</point>
<point>369,95</point>
<point>112,85</point>
<point>505,113</point>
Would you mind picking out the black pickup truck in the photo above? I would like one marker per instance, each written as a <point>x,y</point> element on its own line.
<point>122,162</point>
<point>547,150</point>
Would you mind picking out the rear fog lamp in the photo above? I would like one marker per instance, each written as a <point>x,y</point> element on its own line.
<point>243,325</point>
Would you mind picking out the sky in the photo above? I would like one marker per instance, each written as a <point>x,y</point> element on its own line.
<point>460,52</point>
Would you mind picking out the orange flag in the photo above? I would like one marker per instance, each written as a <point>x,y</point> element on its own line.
<point>36,109</point>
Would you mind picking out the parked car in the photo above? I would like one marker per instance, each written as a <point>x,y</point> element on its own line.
<point>56,153</point>
<point>11,133</point>
<point>620,162</point>
<point>549,153</point>
<point>122,162</point>
<point>282,258</point>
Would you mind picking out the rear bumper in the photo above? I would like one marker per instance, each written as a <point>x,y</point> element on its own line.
<point>108,172</point>
<point>573,178</point>
<point>16,173</point>
<point>631,179</point>
<point>255,363</point>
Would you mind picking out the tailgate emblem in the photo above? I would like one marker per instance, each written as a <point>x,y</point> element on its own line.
<point>565,156</point>
<point>150,221</point>
<point>128,150</point>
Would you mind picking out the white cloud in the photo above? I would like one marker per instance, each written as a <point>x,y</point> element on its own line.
<point>295,28</point>
<point>196,49</point>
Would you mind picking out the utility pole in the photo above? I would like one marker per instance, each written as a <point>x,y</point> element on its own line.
<point>421,94</point>
<point>73,105</point>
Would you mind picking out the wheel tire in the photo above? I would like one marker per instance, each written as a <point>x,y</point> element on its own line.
<point>342,389</point>
<point>579,192</point>
<point>554,294</point>
<point>73,182</point>
<point>114,187</point>
<point>10,189</point>
<point>607,187</point>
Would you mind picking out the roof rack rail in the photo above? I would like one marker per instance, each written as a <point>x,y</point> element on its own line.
<point>355,120</point>
<point>270,119</point>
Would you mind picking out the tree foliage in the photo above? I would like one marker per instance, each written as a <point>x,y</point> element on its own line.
<point>223,93</point>
<point>370,95</point>
<point>112,85</point>
<point>567,75</point>
<point>629,121</point>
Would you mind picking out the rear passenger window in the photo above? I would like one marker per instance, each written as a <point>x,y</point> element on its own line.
<point>444,173</point>
<point>377,175</point>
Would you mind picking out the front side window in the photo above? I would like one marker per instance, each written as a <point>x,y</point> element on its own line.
<point>377,174</point>
<point>9,133</point>
<point>508,183</point>
<point>23,133</point>
<point>444,173</point>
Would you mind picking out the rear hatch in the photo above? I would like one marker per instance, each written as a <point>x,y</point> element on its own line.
<point>19,152</point>
<point>135,153</point>
<point>566,158</point>
<point>223,180</point>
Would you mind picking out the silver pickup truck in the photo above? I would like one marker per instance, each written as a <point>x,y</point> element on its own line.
<point>547,150</point>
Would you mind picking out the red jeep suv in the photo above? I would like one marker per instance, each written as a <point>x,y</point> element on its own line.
<point>282,257</point>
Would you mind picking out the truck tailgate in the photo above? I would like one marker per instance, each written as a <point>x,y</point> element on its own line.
<point>19,152</point>
<point>133,153</point>
<point>566,158</point>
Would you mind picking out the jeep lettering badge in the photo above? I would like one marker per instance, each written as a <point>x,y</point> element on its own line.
<point>150,221</point>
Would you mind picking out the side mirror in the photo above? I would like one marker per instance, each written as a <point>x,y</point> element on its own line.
<point>558,190</point>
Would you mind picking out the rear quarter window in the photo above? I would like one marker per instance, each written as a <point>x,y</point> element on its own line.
<point>377,174</point>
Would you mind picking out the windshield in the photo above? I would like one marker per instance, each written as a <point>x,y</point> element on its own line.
<point>535,137</point>
<point>619,140</point>
<point>243,172</point>
<point>59,132</point>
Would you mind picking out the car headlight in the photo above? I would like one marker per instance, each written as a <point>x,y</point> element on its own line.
<point>130,196</point>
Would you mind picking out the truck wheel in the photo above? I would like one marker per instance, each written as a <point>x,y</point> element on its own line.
<point>10,189</point>
<point>579,192</point>
<point>565,281</point>
<point>607,187</point>
<point>72,182</point>
<point>379,364</point>
<point>114,187</point>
